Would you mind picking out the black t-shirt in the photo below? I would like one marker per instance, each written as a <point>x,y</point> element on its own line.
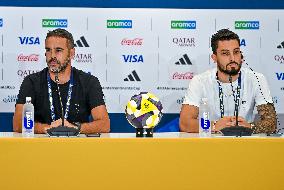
<point>86,95</point>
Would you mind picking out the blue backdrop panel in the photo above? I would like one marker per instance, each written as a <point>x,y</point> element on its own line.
<point>183,4</point>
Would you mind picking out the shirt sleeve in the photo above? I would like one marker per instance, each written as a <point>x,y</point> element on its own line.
<point>263,95</point>
<point>95,93</point>
<point>194,92</point>
<point>26,90</point>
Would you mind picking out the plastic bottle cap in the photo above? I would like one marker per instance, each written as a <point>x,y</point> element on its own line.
<point>28,99</point>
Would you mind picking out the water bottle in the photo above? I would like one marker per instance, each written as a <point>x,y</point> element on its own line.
<point>204,119</point>
<point>28,118</point>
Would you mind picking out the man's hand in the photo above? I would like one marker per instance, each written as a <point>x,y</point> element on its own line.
<point>56,123</point>
<point>229,121</point>
<point>241,122</point>
<point>67,124</point>
<point>226,121</point>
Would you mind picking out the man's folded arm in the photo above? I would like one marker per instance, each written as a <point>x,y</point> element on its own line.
<point>101,123</point>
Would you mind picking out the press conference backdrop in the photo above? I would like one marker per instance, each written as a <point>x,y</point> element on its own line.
<point>134,50</point>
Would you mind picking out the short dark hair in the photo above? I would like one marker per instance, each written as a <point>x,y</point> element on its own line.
<point>59,32</point>
<point>221,35</point>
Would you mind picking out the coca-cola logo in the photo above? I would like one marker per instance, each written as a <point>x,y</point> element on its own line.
<point>182,76</point>
<point>28,58</point>
<point>24,73</point>
<point>279,58</point>
<point>132,42</point>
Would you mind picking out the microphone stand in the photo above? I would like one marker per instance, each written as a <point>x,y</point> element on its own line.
<point>236,130</point>
<point>62,130</point>
<point>60,100</point>
<point>236,100</point>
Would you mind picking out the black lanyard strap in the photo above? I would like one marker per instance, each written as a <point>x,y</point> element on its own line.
<point>236,98</point>
<point>71,82</point>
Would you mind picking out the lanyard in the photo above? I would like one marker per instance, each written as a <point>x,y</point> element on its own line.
<point>68,96</point>
<point>237,98</point>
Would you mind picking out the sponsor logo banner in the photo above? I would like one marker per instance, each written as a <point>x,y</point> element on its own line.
<point>29,40</point>
<point>281,46</point>
<point>54,23</point>
<point>280,76</point>
<point>243,42</point>
<point>119,23</point>
<point>1,22</point>
<point>133,58</point>
<point>183,24</point>
<point>7,87</point>
<point>83,58</point>
<point>184,60</point>
<point>132,42</point>
<point>24,73</point>
<point>180,100</point>
<point>184,42</point>
<point>28,58</point>
<point>10,99</point>
<point>279,58</point>
<point>275,99</point>
<point>133,76</point>
<point>247,25</point>
<point>182,76</point>
<point>82,42</point>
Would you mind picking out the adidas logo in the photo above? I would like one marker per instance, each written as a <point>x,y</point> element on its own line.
<point>132,77</point>
<point>82,42</point>
<point>281,45</point>
<point>184,60</point>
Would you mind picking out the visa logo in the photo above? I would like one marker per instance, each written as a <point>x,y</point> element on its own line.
<point>1,22</point>
<point>54,23</point>
<point>119,23</point>
<point>280,76</point>
<point>183,24</point>
<point>243,42</point>
<point>29,40</point>
<point>247,25</point>
<point>133,58</point>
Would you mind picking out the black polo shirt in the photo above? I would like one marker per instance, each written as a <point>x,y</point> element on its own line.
<point>86,95</point>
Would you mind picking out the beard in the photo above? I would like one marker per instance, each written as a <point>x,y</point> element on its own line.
<point>234,70</point>
<point>61,66</point>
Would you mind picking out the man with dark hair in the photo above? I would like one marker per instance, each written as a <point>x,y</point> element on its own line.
<point>223,85</point>
<point>81,93</point>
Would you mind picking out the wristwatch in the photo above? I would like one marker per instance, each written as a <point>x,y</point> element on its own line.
<point>78,125</point>
<point>252,126</point>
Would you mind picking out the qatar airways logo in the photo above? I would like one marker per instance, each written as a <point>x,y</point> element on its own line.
<point>24,73</point>
<point>279,58</point>
<point>84,58</point>
<point>184,42</point>
<point>10,99</point>
<point>182,76</point>
<point>28,58</point>
<point>132,42</point>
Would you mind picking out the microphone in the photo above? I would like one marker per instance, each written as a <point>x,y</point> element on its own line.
<point>236,101</point>
<point>61,130</point>
<point>236,130</point>
<point>59,95</point>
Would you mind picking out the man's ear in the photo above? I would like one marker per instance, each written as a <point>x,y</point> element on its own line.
<point>72,53</point>
<point>214,57</point>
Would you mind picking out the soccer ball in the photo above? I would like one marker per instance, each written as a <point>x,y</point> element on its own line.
<point>144,110</point>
